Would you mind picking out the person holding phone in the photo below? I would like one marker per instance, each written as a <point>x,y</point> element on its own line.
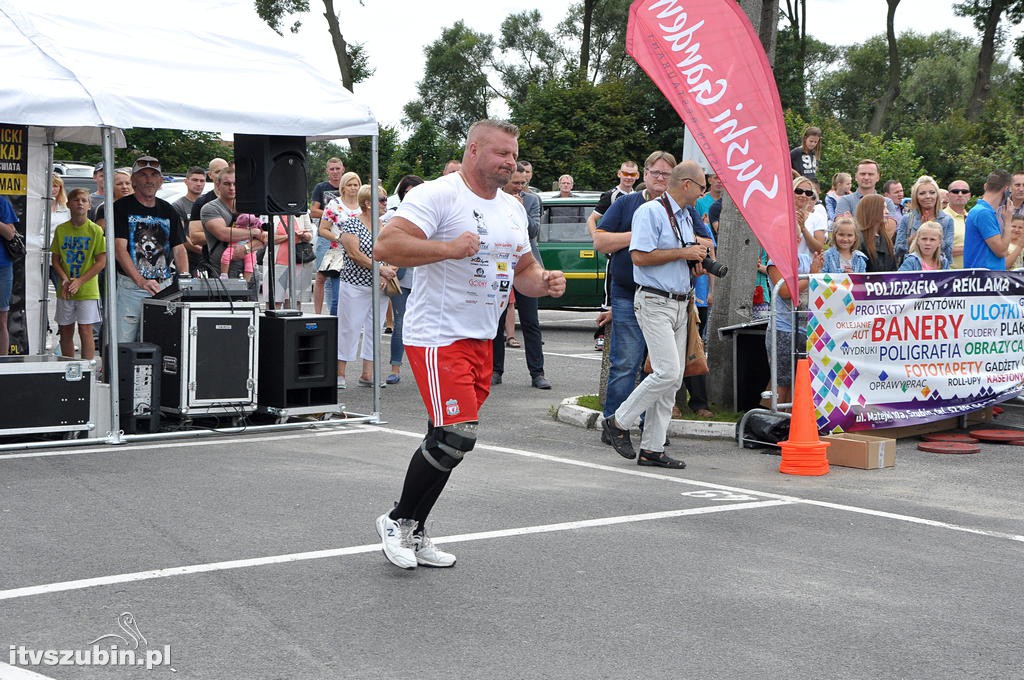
<point>987,233</point>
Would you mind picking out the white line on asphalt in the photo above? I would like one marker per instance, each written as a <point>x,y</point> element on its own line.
<point>8,672</point>
<point>594,356</point>
<point>709,485</point>
<point>29,591</point>
<point>156,447</point>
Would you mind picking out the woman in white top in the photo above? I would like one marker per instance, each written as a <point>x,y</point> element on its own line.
<point>341,208</point>
<point>812,223</point>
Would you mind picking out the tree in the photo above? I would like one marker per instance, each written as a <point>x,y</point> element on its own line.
<point>455,89</point>
<point>607,58</point>
<point>892,89</point>
<point>176,149</point>
<point>532,54</point>
<point>581,129</point>
<point>797,74</point>
<point>274,11</point>
<point>987,15</point>
<point>352,61</point>
<point>848,90</point>
<point>588,19</point>
<point>427,148</point>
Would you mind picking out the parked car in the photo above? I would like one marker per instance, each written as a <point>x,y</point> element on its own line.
<point>565,244</point>
<point>172,191</point>
<point>73,169</point>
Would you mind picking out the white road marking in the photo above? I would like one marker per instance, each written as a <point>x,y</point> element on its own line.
<point>594,356</point>
<point>157,447</point>
<point>737,490</point>
<point>8,672</point>
<point>773,500</point>
<point>80,584</point>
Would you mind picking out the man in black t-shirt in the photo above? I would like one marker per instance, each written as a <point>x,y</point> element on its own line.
<point>149,246</point>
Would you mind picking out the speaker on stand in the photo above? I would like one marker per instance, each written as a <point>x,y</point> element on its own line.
<point>270,172</point>
<point>270,176</point>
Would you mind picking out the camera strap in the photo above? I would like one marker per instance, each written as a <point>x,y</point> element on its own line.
<point>671,218</point>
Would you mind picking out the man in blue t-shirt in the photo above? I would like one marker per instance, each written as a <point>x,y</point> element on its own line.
<point>986,240</point>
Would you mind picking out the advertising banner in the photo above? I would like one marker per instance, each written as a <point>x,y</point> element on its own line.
<point>896,349</point>
<point>706,58</point>
<point>14,188</point>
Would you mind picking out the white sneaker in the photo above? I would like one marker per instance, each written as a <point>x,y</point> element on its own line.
<point>396,539</point>
<point>428,554</point>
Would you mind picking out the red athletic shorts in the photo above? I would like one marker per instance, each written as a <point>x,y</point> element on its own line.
<point>453,380</point>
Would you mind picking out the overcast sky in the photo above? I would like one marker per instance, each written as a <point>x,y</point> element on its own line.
<point>396,31</point>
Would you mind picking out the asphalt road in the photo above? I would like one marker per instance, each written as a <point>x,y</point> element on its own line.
<point>254,555</point>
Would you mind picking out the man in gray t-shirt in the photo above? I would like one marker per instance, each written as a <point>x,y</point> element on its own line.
<point>867,177</point>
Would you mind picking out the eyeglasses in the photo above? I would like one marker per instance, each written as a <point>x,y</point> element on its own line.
<point>142,163</point>
<point>703,187</point>
<point>959,191</point>
<point>658,174</point>
<point>634,175</point>
<point>804,192</point>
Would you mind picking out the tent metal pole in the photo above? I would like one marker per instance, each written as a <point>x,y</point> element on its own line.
<point>376,292</point>
<point>44,300</point>
<point>110,322</point>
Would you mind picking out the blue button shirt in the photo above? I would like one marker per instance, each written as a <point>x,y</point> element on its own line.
<point>652,231</point>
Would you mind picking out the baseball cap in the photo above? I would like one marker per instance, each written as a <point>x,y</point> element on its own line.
<point>97,168</point>
<point>146,162</point>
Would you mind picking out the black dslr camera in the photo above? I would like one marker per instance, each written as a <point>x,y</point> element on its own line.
<point>713,267</point>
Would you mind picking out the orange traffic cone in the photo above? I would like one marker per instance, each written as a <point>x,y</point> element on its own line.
<point>803,453</point>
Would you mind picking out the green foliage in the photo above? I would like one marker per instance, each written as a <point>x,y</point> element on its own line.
<point>454,92</point>
<point>427,148</point>
<point>896,157</point>
<point>581,129</point>
<point>938,68</point>
<point>608,58</point>
<point>176,149</point>
<point>531,54</point>
<point>359,61</point>
<point>795,78</point>
<point>274,12</point>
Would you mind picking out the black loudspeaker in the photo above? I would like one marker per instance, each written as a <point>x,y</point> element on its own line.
<point>270,171</point>
<point>298,366</point>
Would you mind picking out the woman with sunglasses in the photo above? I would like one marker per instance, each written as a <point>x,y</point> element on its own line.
<point>812,224</point>
<point>924,207</point>
<point>355,297</point>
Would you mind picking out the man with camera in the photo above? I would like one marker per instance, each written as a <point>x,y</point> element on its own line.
<point>666,253</point>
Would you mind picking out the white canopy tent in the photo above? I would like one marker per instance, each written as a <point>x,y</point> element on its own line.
<point>85,71</point>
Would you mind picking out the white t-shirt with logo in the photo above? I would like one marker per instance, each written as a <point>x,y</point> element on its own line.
<point>456,299</point>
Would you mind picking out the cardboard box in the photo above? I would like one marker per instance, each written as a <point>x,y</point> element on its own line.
<point>862,451</point>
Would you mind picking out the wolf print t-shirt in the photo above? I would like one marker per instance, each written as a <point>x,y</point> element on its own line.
<point>455,299</point>
<point>151,234</point>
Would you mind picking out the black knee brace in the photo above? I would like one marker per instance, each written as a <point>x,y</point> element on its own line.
<point>444,446</point>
